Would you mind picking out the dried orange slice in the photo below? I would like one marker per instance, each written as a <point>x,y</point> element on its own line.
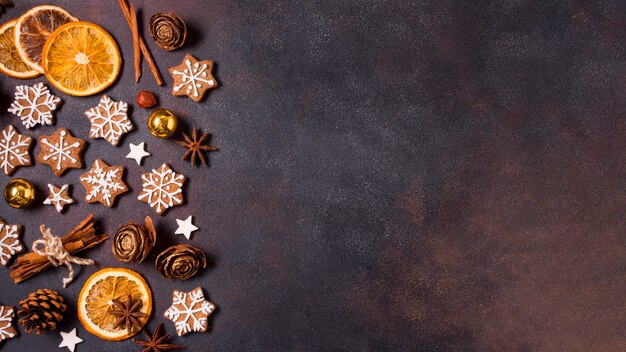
<point>33,28</point>
<point>11,64</point>
<point>95,301</point>
<point>81,58</point>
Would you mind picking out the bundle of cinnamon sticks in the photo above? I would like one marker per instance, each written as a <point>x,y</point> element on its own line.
<point>82,237</point>
<point>139,45</point>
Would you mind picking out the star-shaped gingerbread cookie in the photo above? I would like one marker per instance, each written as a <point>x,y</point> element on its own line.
<point>189,311</point>
<point>58,197</point>
<point>9,241</point>
<point>103,183</point>
<point>162,188</point>
<point>7,330</point>
<point>192,78</point>
<point>61,151</point>
<point>14,150</point>
<point>34,105</point>
<point>109,120</point>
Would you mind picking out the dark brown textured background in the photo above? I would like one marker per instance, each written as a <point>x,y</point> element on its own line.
<point>392,176</point>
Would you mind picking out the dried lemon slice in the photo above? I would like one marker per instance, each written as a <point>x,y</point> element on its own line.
<point>95,301</point>
<point>81,58</point>
<point>11,64</point>
<point>33,28</point>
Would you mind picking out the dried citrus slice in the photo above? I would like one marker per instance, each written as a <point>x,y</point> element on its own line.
<point>95,301</point>
<point>33,28</point>
<point>11,64</point>
<point>81,58</point>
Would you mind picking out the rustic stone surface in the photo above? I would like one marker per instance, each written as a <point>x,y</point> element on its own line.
<point>392,176</point>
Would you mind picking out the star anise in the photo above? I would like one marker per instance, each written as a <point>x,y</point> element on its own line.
<point>195,147</point>
<point>157,342</point>
<point>128,314</point>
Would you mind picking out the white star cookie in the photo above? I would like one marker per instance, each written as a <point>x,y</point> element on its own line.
<point>70,340</point>
<point>185,227</point>
<point>137,152</point>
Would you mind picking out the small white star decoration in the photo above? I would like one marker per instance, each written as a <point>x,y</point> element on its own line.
<point>185,227</point>
<point>137,152</point>
<point>58,197</point>
<point>70,340</point>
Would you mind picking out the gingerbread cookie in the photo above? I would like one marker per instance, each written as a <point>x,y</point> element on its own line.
<point>109,120</point>
<point>9,241</point>
<point>59,197</point>
<point>14,149</point>
<point>61,151</point>
<point>192,78</point>
<point>7,330</point>
<point>103,183</point>
<point>162,188</point>
<point>34,105</point>
<point>189,311</point>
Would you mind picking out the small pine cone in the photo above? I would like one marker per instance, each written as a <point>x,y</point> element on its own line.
<point>41,311</point>
<point>133,243</point>
<point>167,30</point>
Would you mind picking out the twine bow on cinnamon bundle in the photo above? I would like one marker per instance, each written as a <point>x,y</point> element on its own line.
<point>56,251</point>
<point>57,254</point>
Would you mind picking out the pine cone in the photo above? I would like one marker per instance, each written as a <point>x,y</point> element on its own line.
<point>167,30</point>
<point>133,243</point>
<point>180,262</point>
<point>41,311</point>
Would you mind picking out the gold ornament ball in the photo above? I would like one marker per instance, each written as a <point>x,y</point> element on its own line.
<point>19,193</point>
<point>162,123</point>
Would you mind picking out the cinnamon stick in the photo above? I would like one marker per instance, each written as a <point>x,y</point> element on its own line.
<point>142,45</point>
<point>136,51</point>
<point>82,237</point>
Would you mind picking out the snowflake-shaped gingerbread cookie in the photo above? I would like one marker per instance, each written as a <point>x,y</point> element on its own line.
<point>109,120</point>
<point>7,330</point>
<point>192,78</point>
<point>162,188</point>
<point>34,105</point>
<point>59,197</point>
<point>61,151</point>
<point>189,311</point>
<point>103,183</point>
<point>9,241</point>
<point>13,150</point>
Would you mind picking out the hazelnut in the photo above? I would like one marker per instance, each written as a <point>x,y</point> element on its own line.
<point>146,99</point>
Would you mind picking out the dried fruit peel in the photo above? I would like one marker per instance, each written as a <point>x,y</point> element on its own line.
<point>96,296</point>
<point>81,59</point>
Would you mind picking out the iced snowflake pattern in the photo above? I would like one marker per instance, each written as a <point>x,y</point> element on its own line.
<point>192,78</point>
<point>103,183</point>
<point>189,311</point>
<point>61,151</point>
<point>162,188</point>
<point>13,150</point>
<point>9,242</point>
<point>7,330</point>
<point>109,120</point>
<point>34,105</point>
